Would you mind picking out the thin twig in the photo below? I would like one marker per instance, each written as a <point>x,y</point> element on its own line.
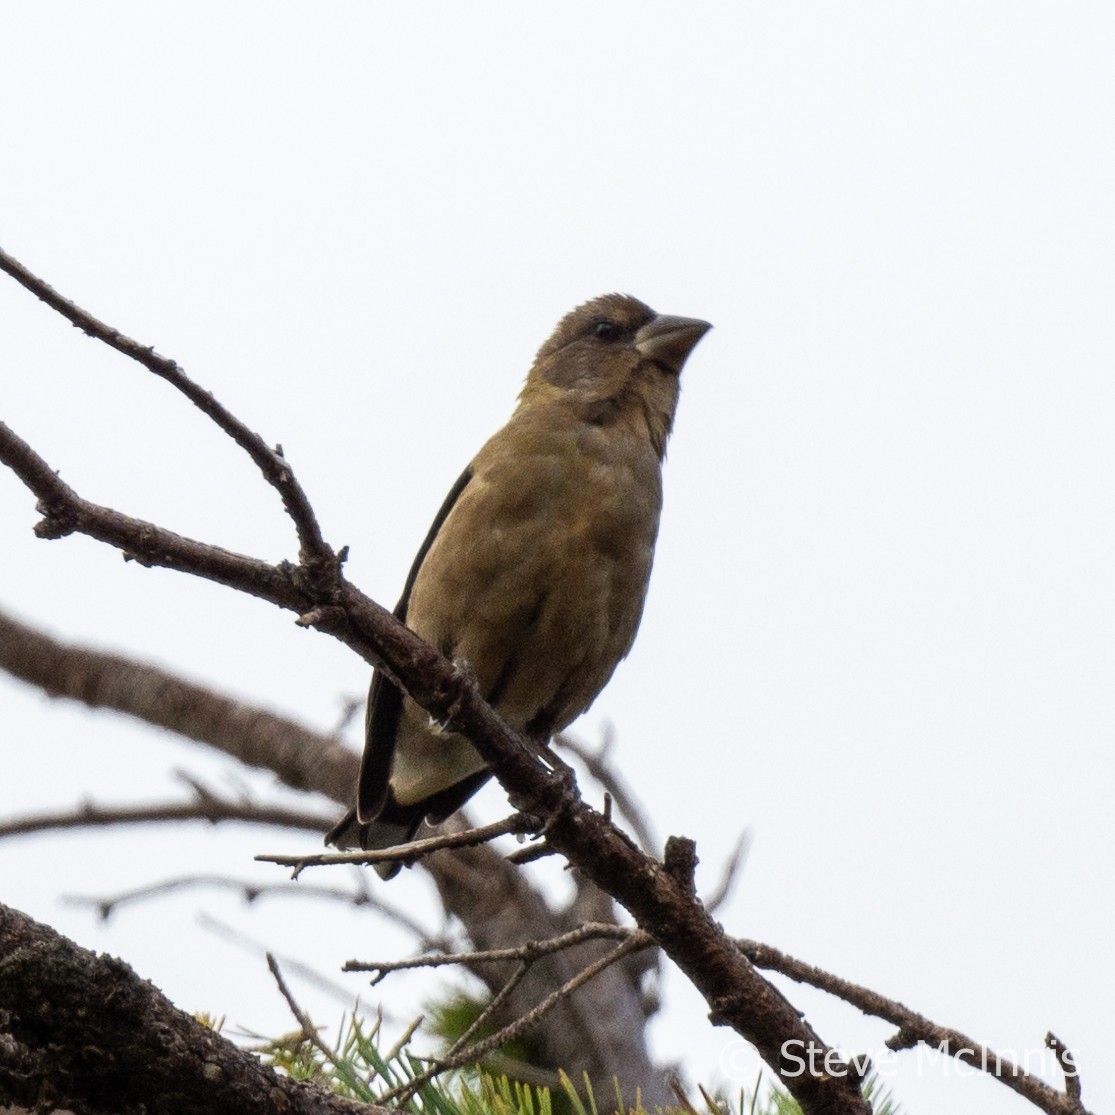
<point>213,810</point>
<point>510,1032</point>
<point>270,462</point>
<point>309,1030</point>
<point>513,1030</point>
<point>596,763</point>
<point>1068,1066</point>
<point>685,1102</point>
<point>528,952</point>
<point>914,1028</point>
<point>350,706</point>
<point>251,892</point>
<point>731,869</point>
<point>531,853</point>
<point>497,1061</point>
<point>517,823</point>
<point>404,1039</point>
<point>494,1004</point>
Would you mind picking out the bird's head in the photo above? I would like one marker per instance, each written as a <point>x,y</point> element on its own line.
<point>614,359</point>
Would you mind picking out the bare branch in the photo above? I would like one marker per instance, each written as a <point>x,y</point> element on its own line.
<point>319,593</point>
<point>503,909</point>
<point>491,1009</point>
<point>309,1030</point>
<point>404,1038</point>
<point>603,772</point>
<point>351,707</point>
<point>527,952</point>
<point>269,461</point>
<point>531,853</point>
<point>214,811</point>
<point>410,853</point>
<point>65,512</point>
<point>447,692</point>
<point>1068,1066</point>
<point>251,892</point>
<point>302,758</point>
<point>731,869</point>
<point>496,904</point>
<point>474,1053</point>
<point>914,1028</point>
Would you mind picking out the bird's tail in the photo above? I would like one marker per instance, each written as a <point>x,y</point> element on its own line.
<point>396,824</point>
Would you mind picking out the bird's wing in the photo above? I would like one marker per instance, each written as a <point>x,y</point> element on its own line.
<point>385,699</point>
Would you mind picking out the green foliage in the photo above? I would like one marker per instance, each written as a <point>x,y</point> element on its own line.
<point>774,1101</point>
<point>497,1095</point>
<point>451,1017</point>
<point>882,1099</point>
<point>353,1068</point>
<point>356,1068</point>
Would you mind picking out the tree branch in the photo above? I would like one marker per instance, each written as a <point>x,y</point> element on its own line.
<point>462,1054</point>
<point>269,461</point>
<point>83,1032</point>
<point>411,852</point>
<point>737,995</point>
<point>730,871</point>
<point>302,758</point>
<point>214,811</point>
<point>914,1028</point>
<point>496,904</point>
<point>251,892</point>
<point>597,764</point>
<point>309,1030</point>
<point>527,952</point>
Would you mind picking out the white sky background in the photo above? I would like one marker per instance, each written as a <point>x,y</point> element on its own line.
<point>881,628</point>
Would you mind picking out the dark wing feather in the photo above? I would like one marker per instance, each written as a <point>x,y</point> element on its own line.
<point>385,698</point>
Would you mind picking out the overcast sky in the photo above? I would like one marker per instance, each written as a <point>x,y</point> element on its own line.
<point>881,627</point>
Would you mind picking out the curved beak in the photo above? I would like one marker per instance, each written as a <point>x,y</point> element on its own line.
<point>669,340</point>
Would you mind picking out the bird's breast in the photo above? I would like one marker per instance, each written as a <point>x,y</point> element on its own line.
<point>538,575</point>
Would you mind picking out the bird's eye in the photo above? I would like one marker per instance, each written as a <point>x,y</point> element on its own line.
<point>605,330</point>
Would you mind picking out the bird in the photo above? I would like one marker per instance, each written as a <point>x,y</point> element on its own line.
<point>535,570</point>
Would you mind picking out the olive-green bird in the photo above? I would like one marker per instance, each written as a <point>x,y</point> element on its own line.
<point>536,567</point>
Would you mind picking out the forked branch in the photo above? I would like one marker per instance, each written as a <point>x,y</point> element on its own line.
<point>661,901</point>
